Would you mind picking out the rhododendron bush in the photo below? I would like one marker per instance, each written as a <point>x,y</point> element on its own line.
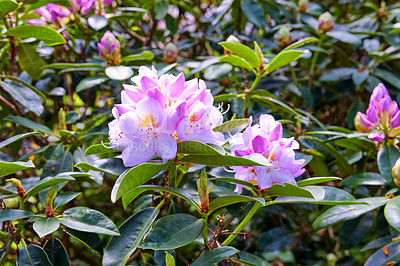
<point>199,132</point>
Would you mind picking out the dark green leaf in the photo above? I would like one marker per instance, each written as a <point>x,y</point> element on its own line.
<point>45,226</point>
<point>7,168</point>
<point>363,179</point>
<point>99,148</point>
<point>33,255</point>
<point>90,82</point>
<point>88,220</point>
<point>29,124</point>
<point>54,152</point>
<point>234,181</point>
<point>7,6</point>
<point>10,214</point>
<point>217,71</point>
<point>56,252</point>
<point>196,148</point>
<point>64,198</point>
<point>224,97</point>
<point>254,12</point>
<point>161,9</point>
<point>132,233</point>
<point>387,157</point>
<point>30,60</point>
<point>64,164</point>
<point>112,166</point>
<point>392,212</point>
<point>17,137</point>
<point>336,74</point>
<point>288,190</point>
<point>231,199</point>
<point>360,76</point>
<point>339,214</point>
<point>173,231</point>
<point>242,51</point>
<point>300,43</point>
<point>316,180</point>
<point>91,240</point>
<point>135,177</point>
<point>389,77</point>
<point>46,183</point>
<point>214,256</point>
<point>72,65</point>
<point>145,55</point>
<point>227,160</point>
<point>380,258</point>
<point>48,35</point>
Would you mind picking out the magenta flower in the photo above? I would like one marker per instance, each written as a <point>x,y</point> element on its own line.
<point>53,13</point>
<point>382,115</point>
<point>85,6</point>
<point>110,48</point>
<point>266,139</point>
<point>156,113</point>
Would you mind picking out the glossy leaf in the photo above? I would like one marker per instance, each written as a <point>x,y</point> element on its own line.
<point>234,181</point>
<point>227,160</point>
<point>131,195</point>
<point>217,71</point>
<point>30,60</point>
<point>300,43</point>
<point>339,214</point>
<point>119,72</point>
<point>45,226</point>
<point>112,166</point>
<point>346,37</point>
<point>196,148</point>
<point>88,220</point>
<point>231,124</point>
<point>7,6</point>
<point>380,258</point>
<point>229,200</point>
<point>48,35</point>
<point>363,179</point>
<point>173,231</point>
<point>72,65</point>
<point>392,212</point>
<point>214,256</point>
<point>46,183</point>
<point>11,214</point>
<point>282,59</point>
<point>91,82</point>
<point>288,190</point>
<point>132,233</point>
<point>236,61</point>
<point>55,167</point>
<point>18,137</point>
<point>64,198</point>
<point>56,252</point>
<point>254,12</point>
<point>135,177</point>
<point>29,124</point>
<point>242,51</point>
<point>91,240</point>
<point>316,180</point>
<point>387,157</point>
<point>99,148</point>
<point>7,168</point>
<point>33,255</point>
<point>145,55</point>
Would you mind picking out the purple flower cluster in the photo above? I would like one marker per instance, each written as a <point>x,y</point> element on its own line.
<point>157,112</point>
<point>110,48</point>
<point>85,6</point>
<point>50,13</point>
<point>266,139</point>
<point>382,115</point>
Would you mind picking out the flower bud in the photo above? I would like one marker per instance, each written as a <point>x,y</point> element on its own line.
<point>360,126</point>
<point>382,11</point>
<point>110,49</point>
<point>204,189</point>
<point>325,22</point>
<point>17,183</point>
<point>396,173</point>
<point>50,197</point>
<point>170,53</point>
<point>284,37</point>
<point>303,6</point>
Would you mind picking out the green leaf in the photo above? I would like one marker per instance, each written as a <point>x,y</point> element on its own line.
<point>135,177</point>
<point>392,212</point>
<point>46,183</point>
<point>339,214</point>
<point>56,252</point>
<point>72,65</point>
<point>236,61</point>
<point>133,194</point>
<point>224,97</point>
<point>45,226</point>
<point>38,92</point>
<point>300,43</point>
<point>217,71</point>
<point>7,168</point>
<point>363,179</point>
<point>214,256</point>
<point>360,76</point>
<point>11,214</point>
<point>119,72</point>
<point>97,22</point>
<point>196,148</point>
<point>288,190</point>
<point>7,6</point>
<point>29,124</point>
<point>143,56</point>
<point>30,60</point>
<point>282,59</point>
<point>99,148</point>
<point>48,35</point>
<point>173,231</point>
<point>336,74</point>
<point>387,157</point>
<point>91,82</point>
<point>17,137</point>
<point>388,76</point>
<point>230,125</point>
<point>88,220</point>
<point>132,233</point>
<point>266,101</point>
<point>24,95</point>
<point>316,180</point>
<point>380,258</point>
<point>346,37</point>
<point>242,51</point>
<point>91,240</point>
<point>33,255</point>
<point>161,9</point>
<point>169,259</point>
<point>112,166</point>
<point>64,198</point>
<point>62,165</point>
<point>234,181</point>
<point>223,201</point>
<point>254,12</point>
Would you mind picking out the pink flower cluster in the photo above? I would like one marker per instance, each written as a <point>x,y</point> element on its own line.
<point>85,6</point>
<point>51,13</point>
<point>157,112</point>
<point>266,139</point>
<point>383,115</point>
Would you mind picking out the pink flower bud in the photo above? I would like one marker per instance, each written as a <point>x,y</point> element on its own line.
<point>325,22</point>
<point>303,6</point>
<point>110,49</point>
<point>170,53</point>
<point>284,37</point>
